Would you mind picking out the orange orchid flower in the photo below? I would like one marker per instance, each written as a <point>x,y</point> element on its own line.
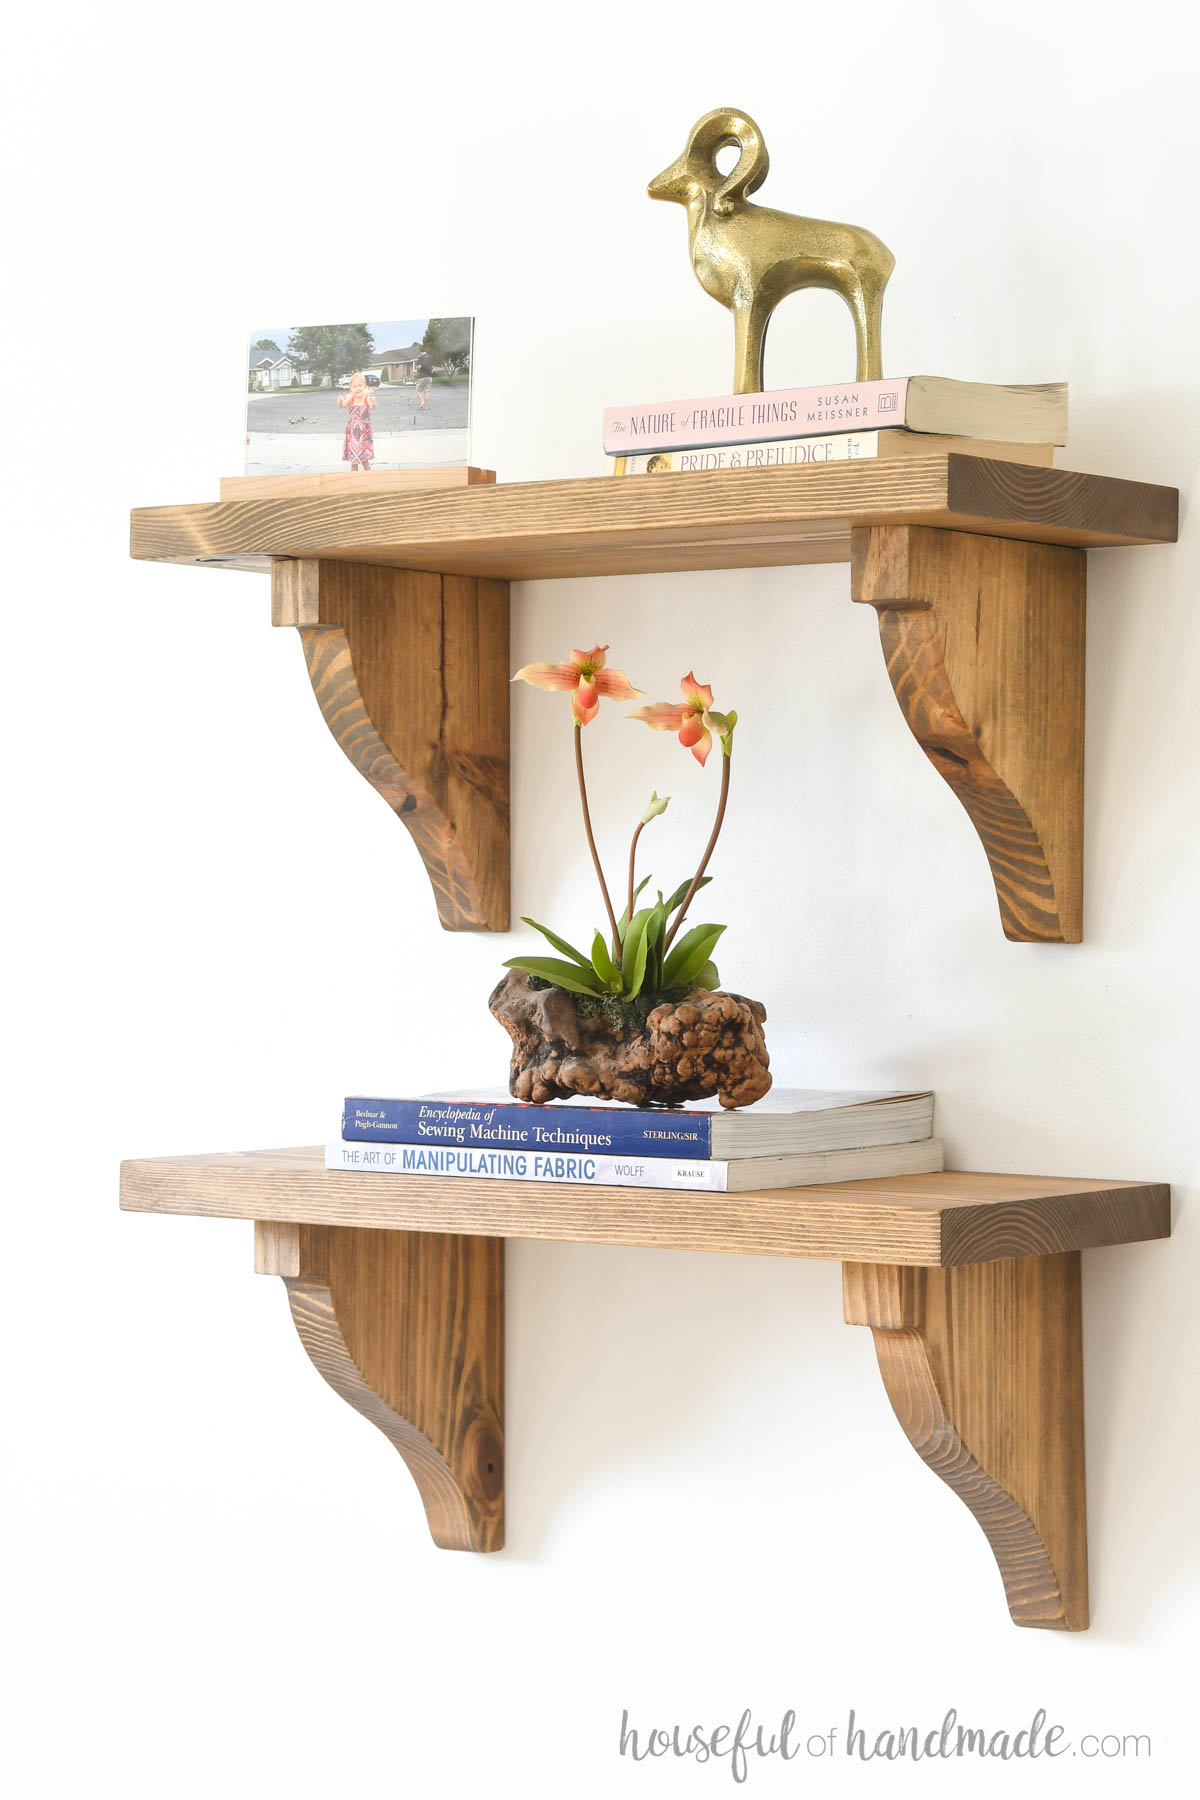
<point>585,677</point>
<point>694,721</point>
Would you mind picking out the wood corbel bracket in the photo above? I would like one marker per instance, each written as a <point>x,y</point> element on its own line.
<point>408,1327</point>
<point>410,670</point>
<point>983,1365</point>
<point>983,638</point>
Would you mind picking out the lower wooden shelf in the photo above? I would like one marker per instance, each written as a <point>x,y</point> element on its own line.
<point>970,1284</point>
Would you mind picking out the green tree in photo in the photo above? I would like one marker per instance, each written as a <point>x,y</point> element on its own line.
<point>448,341</point>
<point>267,344</point>
<point>332,350</point>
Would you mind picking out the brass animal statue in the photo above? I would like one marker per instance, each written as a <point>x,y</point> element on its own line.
<point>751,257</point>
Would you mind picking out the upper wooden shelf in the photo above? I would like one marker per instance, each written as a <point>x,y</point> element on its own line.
<point>644,525</point>
<point>941,1220</point>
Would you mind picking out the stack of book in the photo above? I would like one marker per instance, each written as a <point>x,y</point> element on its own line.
<point>793,1138</point>
<point>916,415</point>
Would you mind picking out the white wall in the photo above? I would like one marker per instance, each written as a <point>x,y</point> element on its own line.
<point>219,1579</point>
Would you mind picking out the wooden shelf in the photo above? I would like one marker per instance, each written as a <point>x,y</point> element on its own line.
<point>766,518</point>
<point>975,567</point>
<point>970,1284</point>
<point>941,1219</point>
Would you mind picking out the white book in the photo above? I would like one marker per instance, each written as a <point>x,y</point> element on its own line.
<point>752,1172</point>
<point>777,453</point>
<point>843,446</point>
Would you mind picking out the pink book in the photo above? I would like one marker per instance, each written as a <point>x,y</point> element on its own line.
<point>931,403</point>
<point>742,418</point>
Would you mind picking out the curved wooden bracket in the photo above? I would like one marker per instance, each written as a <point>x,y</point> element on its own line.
<point>410,671</point>
<point>984,644</point>
<point>408,1327</point>
<point>983,1365</point>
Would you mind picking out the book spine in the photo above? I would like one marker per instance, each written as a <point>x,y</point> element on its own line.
<point>523,1165</point>
<point>754,418</point>
<point>782,453</point>
<point>455,1125</point>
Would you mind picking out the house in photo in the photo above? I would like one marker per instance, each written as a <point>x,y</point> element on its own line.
<point>270,371</point>
<point>398,365</point>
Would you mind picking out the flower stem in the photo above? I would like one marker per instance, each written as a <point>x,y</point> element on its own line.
<point>641,826</point>
<point>704,860</point>
<point>587,826</point>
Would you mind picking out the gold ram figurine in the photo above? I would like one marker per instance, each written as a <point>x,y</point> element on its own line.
<point>751,257</point>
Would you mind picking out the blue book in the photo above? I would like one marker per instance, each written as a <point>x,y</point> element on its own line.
<point>788,1122</point>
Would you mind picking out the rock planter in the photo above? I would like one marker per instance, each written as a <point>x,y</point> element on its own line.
<point>660,1050</point>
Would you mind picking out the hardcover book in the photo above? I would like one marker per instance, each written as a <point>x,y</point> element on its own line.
<point>788,1122</point>
<point>1025,415</point>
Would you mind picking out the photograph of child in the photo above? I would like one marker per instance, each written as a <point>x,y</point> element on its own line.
<point>358,445</point>
<point>389,394</point>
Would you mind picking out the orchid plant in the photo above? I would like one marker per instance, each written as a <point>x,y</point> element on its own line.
<point>643,953</point>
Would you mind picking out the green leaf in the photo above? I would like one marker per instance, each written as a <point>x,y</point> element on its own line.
<point>623,921</point>
<point>656,933</point>
<point>559,943</point>
<point>690,955</point>
<point>682,889</point>
<point>636,975</point>
<point>637,927</point>
<point>708,977</point>
<point>560,974</point>
<point>634,937</point>
<point>604,966</point>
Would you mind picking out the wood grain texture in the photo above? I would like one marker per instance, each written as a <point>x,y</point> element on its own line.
<point>276,1247</point>
<point>950,1217</point>
<point>295,592</point>
<point>983,639</point>
<point>335,481</point>
<point>410,671</point>
<point>603,526</point>
<point>987,1383</point>
<point>891,1294</point>
<point>408,1328</point>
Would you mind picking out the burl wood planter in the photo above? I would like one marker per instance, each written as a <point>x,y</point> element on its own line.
<point>688,1047</point>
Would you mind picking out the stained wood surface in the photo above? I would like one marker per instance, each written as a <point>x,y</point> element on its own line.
<point>277,1248</point>
<point>408,1327</point>
<point>411,673</point>
<point>983,638</point>
<point>604,526</point>
<point>946,1218</point>
<point>983,1366</point>
<point>334,481</point>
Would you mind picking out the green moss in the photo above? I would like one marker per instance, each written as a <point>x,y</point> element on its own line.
<point>624,1014</point>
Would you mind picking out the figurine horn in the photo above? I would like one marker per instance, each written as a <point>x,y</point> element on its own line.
<point>752,165</point>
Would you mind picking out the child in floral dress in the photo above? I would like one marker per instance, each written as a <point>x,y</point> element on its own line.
<point>358,446</point>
